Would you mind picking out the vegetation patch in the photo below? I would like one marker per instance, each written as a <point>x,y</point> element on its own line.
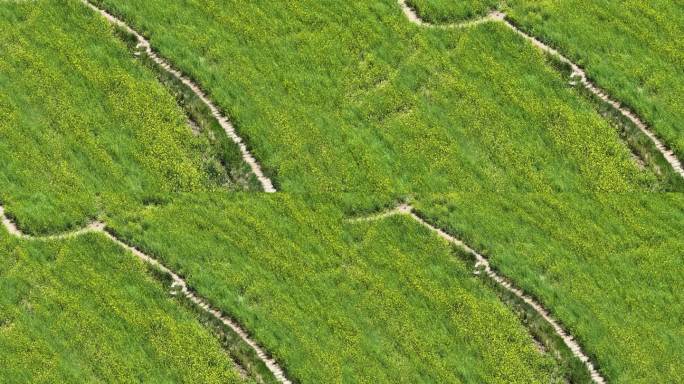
<point>366,102</point>
<point>83,310</point>
<point>84,127</point>
<point>605,265</point>
<point>335,301</point>
<point>632,49</point>
<point>352,108</point>
<point>451,11</point>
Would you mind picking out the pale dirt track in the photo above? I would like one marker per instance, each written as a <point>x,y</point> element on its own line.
<point>482,264</point>
<point>178,282</point>
<point>577,72</point>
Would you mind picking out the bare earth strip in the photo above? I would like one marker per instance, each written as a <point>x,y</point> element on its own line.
<point>227,126</point>
<point>413,17</point>
<point>577,72</point>
<point>178,282</point>
<point>482,264</point>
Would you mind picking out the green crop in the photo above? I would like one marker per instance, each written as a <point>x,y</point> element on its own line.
<point>349,96</point>
<point>450,11</point>
<point>333,301</point>
<point>607,266</point>
<point>82,310</point>
<point>82,126</point>
<point>335,97</point>
<point>633,49</point>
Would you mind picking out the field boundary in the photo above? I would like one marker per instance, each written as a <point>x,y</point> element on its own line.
<point>482,265</point>
<point>177,282</point>
<point>577,72</point>
<point>247,157</point>
<point>413,17</point>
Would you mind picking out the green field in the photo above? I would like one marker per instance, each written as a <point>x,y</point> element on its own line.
<point>382,302</point>
<point>633,49</point>
<point>449,11</point>
<point>351,109</point>
<point>608,266</point>
<point>412,109</point>
<point>84,311</point>
<point>83,126</point>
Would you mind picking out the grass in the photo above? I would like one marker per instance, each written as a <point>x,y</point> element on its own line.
<point>449,11</point>
<point>83,310</point>
<point>644,150</point>
<point>334,97</point>
<point>84,126</point>
<point>633,49</point>
<point>335,301</point>
<point>570,368</point>
<point>222,156</point>
<point>607,266</point>
<point>415,110</point>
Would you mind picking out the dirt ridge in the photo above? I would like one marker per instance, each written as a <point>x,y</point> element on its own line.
<point>247,157</point>
<point>413,17</point>
<point>178,282</point>
<point>482,265</point>
<point>577,72</point>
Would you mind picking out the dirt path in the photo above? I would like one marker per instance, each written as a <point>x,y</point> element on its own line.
<point>482,265</point>
<point>413,17</point>
<point>227,126</point>
<point>577,72</point>
<point>178,282</point>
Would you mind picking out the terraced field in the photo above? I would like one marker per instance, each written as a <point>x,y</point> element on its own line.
<point>468,192</point>
<point>446,11</point>
<point>339,302</point>
<point>633,49</point>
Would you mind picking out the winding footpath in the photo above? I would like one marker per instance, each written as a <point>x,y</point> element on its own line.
<point>225,123</point>
<point>482,264</point>
<point>577,72</point>
<point>178,282</point>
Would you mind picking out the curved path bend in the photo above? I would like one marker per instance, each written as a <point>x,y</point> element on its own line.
<point>482,264</point>
<point>225,123</point>
<point>179,282</point>
<point>577,72</point>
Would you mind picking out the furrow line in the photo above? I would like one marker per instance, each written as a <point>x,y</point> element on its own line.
<point>178,282</point>
<point>577,72</point>
<point>225,123</point>
<point>482,264</point>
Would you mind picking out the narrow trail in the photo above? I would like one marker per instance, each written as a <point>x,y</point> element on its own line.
<point>482,264</point>
<point>413,17</point>
<point>227,126</point>
<point>577,72</point>
<point>178,282</point>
